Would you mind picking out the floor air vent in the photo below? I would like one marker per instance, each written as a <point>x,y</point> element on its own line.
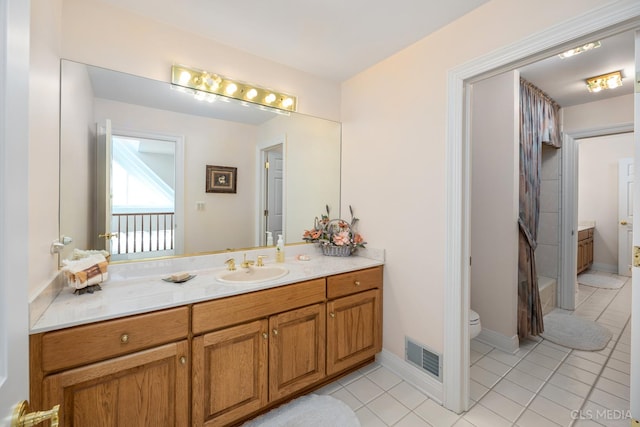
<point>423,358</point>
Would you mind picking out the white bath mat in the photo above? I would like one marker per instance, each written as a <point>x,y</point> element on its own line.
<point>567,330</point>
<point>309,411</point>
<point>600,281</point>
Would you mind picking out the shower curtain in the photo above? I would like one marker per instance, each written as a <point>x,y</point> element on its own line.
<point>539,116</point>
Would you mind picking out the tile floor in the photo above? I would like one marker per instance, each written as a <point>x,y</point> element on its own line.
<point>543,384</point>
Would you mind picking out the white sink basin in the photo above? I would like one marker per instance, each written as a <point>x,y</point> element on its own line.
<point>252,274</point>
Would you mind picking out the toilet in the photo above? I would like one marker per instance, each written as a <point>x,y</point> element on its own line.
<point>474,324</point>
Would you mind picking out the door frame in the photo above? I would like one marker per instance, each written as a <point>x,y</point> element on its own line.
<point>569,201</point>
<point>600,22</point>
<point>14,203</point>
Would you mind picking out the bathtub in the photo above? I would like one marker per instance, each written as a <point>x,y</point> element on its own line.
<point>547,287</point>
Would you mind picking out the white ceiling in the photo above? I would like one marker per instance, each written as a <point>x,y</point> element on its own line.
<point>333,39</point>
<point>336,39</point>
<point>564,79</point>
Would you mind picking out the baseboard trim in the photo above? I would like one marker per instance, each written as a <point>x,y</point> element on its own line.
<point>414,376</point>
<point>499,341</point>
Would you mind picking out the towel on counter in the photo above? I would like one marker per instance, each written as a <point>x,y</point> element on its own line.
<point>87,271</point>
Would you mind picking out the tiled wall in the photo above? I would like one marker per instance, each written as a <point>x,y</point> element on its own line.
<point>548,250</point>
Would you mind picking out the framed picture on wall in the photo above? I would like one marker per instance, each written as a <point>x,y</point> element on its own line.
<point>221,179</point>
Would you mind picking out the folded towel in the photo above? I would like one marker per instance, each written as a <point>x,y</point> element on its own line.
<point>83,272</point>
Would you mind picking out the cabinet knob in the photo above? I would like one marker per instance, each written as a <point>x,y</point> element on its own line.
<point>183,360</point>
<point>357,283</point>
<point>265,335</point>
<point>124,338</point>
<point>275,332</point>
<point>332,314</point>
<point>623,222</point>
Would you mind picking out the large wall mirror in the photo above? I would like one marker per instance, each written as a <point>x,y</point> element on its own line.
<point>147,170</point>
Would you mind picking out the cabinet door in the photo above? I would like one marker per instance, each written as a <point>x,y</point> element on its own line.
<point>296,350</point>
<point>354,330</point>
<point>229,373</point>
<point>148,388</point>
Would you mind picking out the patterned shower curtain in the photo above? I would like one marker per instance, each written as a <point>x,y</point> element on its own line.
<point>539,123</point>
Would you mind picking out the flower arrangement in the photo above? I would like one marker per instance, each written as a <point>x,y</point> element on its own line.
<point>337,237</point>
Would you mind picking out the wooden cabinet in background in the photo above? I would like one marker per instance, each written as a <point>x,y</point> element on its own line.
<point>585,249</point>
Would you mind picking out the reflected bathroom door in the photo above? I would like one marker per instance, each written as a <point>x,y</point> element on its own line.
<point>625,215</point>
<point>274,197</point>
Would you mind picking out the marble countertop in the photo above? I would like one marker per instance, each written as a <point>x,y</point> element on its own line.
<point>135,288</point>
<point>585,225</point>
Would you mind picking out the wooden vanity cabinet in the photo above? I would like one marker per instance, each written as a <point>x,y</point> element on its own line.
<point>211,363</point>
<point>585,249</point>
<point>354,320</point>
<point>132,371</point>
<point>267,356</point>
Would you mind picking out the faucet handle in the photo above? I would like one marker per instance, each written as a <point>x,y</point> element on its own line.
<point>231,264</point>
<point>260,262</point>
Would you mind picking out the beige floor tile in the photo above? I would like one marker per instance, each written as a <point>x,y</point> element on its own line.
<point>502,406</point>
<point>530,418</point>
<point>480,416</point>
<point>561,396</point>
<point>412,420</point>
<point>551,410</point>
<point>612,387</point>
<point>408,395</point>
<point>514,392</point>
<point>388,409</point>
<point>570,384</point>
<point>368,418</point>
<point>435,414</point>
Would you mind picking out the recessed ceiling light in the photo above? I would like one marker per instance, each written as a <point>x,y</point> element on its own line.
<point>577,50</point>
<point>604,81</point>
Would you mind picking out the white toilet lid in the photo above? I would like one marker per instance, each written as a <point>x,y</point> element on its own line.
<point>474,317</point>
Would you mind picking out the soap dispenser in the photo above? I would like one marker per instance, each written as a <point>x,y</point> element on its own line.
<point>280,249</point>
<point>269,238</point>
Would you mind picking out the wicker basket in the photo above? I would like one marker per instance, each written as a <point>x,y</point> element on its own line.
<point>330,250</point>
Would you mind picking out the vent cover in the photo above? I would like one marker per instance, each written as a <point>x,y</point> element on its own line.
<point>423,358</point>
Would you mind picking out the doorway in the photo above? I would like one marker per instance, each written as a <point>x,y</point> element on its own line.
<point>142,205</point>
<point>457,269</point>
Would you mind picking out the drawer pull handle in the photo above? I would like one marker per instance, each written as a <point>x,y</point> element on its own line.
<point>265,335</point>
<point>357,283</point>
<point>183,360</point>
<point>275,332</point>
<point>332,314</point>
<point>124,338</point>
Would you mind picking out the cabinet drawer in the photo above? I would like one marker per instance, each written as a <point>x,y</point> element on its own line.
<point>208,316</point>
<point>583,234</point>
<point>85,344</point>
<point>356,281</point>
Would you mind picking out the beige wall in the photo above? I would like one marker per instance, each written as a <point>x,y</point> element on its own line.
<point>494,202</point>
<point>44,84</point>
<point>99,34</point>
<point>597,115</point>
<point>394,155</point>
<point>598,192</point>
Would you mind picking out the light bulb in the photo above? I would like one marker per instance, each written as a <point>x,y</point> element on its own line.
<point>252,93</point>
<point>288,102</point>
<point>184,78</point>
<point>270,98</point>
<point>231,89</point>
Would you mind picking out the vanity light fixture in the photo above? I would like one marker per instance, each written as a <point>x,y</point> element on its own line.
<point>580,49</point>
<point>210,85</point>
<point>605,81</point>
